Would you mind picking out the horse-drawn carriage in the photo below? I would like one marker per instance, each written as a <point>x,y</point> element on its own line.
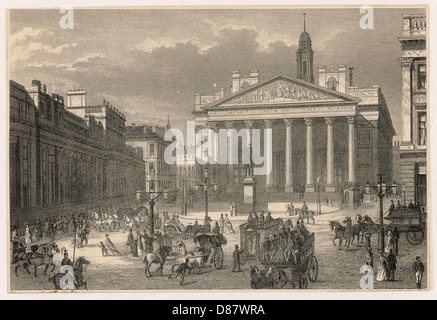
<point>297,264</point>
<point>208,251</point>
<point>174,228</point>
<point>411,221</point>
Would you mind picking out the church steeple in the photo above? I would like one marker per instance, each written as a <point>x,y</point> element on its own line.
<point>305,56</point>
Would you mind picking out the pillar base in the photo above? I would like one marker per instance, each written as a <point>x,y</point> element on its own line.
<point>329,188</point>
<point>270,189</point>
<point>289,189</point>
<point>310,189</point>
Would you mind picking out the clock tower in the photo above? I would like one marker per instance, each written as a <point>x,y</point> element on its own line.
<point>305,56</point>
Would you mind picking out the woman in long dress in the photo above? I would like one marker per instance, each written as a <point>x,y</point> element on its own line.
<point>382,268</point>
<point>28,236</point>
<point>389,241</point>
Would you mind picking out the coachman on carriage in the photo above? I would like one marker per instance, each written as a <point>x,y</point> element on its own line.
<point>287,255</point>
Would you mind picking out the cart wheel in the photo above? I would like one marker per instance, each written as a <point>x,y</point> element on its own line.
<point>218,258</point>
<point>171,231</point>
<point>185,235</point>
<point>303,282</point>
<point>415,236</point>
<point>313,269</point>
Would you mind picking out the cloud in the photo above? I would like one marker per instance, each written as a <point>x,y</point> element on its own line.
<point>23,52</point>
<point>28,32</point>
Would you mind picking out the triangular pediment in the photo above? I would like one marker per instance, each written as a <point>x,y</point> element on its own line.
<point>281,90</point>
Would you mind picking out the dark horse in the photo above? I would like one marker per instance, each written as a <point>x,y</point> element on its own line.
<point>305,215</point>
<point>340,233</point>
<point>43,255</point>
<point>355,229</point>
<point>79,268</point>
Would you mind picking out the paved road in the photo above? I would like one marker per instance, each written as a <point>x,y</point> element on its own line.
<point>338,269</point>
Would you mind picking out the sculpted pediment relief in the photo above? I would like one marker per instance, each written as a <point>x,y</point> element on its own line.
<point>281,91</point>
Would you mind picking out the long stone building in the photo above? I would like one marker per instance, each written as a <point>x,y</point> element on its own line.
<point>66,155</point>
<point>413,149</point>
<point>327,134</point>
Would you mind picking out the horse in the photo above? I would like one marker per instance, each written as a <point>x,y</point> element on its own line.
<point>350,232</point>
<point>79,268</point>
<point>340,233</point>
<point>305,215</point>
<point>192,259</point>
<point>152,258</point>
<point>180,271</point>
<point>21,258</point>
<point>278,276</point>
<point>367,225</point>
<point>258,280</point>
<point>43,256</point>
<point>131,222</point>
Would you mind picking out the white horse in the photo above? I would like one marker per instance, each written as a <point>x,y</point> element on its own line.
<point>193,259</point>
<point>131,223</point>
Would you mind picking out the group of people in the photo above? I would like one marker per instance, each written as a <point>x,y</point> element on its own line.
<point>140,242</point>
<point>411,205</point>
<point>223,225</point>
<point>254,218</point>
<point>286,246</point>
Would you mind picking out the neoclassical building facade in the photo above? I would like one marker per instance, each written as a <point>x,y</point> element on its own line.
<point>323,135</point>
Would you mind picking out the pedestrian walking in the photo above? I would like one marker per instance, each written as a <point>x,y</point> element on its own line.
<point>382,268</point>
<point>391,266</point>
<point>368,257</point>
<point>222,223</point>
<point>368,244</point>
<point>389,241</point>
<point>236,259</point>
<point>396,236</point>
<point>419,269</point>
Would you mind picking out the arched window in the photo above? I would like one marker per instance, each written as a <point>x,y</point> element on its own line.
<point>304,68</point>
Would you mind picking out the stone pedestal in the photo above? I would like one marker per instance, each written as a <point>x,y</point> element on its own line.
<point>249,191</point>
<point>329,188</point>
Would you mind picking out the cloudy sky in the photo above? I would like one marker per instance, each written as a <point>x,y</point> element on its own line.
<point>150,63</point>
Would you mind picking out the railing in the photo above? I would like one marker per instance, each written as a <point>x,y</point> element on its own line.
<point>414,25</point>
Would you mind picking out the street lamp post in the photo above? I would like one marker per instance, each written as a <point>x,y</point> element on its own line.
<point>382,189</point>
<point>206,186</point>
<point>152,195</point>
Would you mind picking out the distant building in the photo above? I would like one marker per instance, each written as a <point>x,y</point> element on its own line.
<point>151,140</point>
<point>186,171</point>
<point>414,107</point>
<point>59,159</point>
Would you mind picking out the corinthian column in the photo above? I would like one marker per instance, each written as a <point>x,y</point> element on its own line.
<point>288,156</point>
<point>230,168</point>
<point>351,149</point>
<point>268,150</point>
<point>330,155</point>
<point>406,100</point>
<point>310,155</point>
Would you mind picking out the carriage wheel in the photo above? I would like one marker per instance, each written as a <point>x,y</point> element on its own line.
<point>313,269</point>
<point>171,231</point>
<point>185,235</point>
<point>415,236</point>
<point>218,258</point>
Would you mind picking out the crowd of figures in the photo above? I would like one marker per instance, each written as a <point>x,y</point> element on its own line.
<point>287,246</point>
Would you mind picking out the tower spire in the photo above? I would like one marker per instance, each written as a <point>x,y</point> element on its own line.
<point>304,22</point>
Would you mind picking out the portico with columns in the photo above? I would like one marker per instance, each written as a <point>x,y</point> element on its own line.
<point>319,136</point>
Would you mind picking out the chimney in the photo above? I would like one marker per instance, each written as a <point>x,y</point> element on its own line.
<point>222,92</point>
<point>133,125</point>
<point>235,81</point>
<point>76,98</point>
<point>351,77</point>
<point>36,83</point>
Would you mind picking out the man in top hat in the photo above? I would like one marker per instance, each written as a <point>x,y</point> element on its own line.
<point>236,259</point>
